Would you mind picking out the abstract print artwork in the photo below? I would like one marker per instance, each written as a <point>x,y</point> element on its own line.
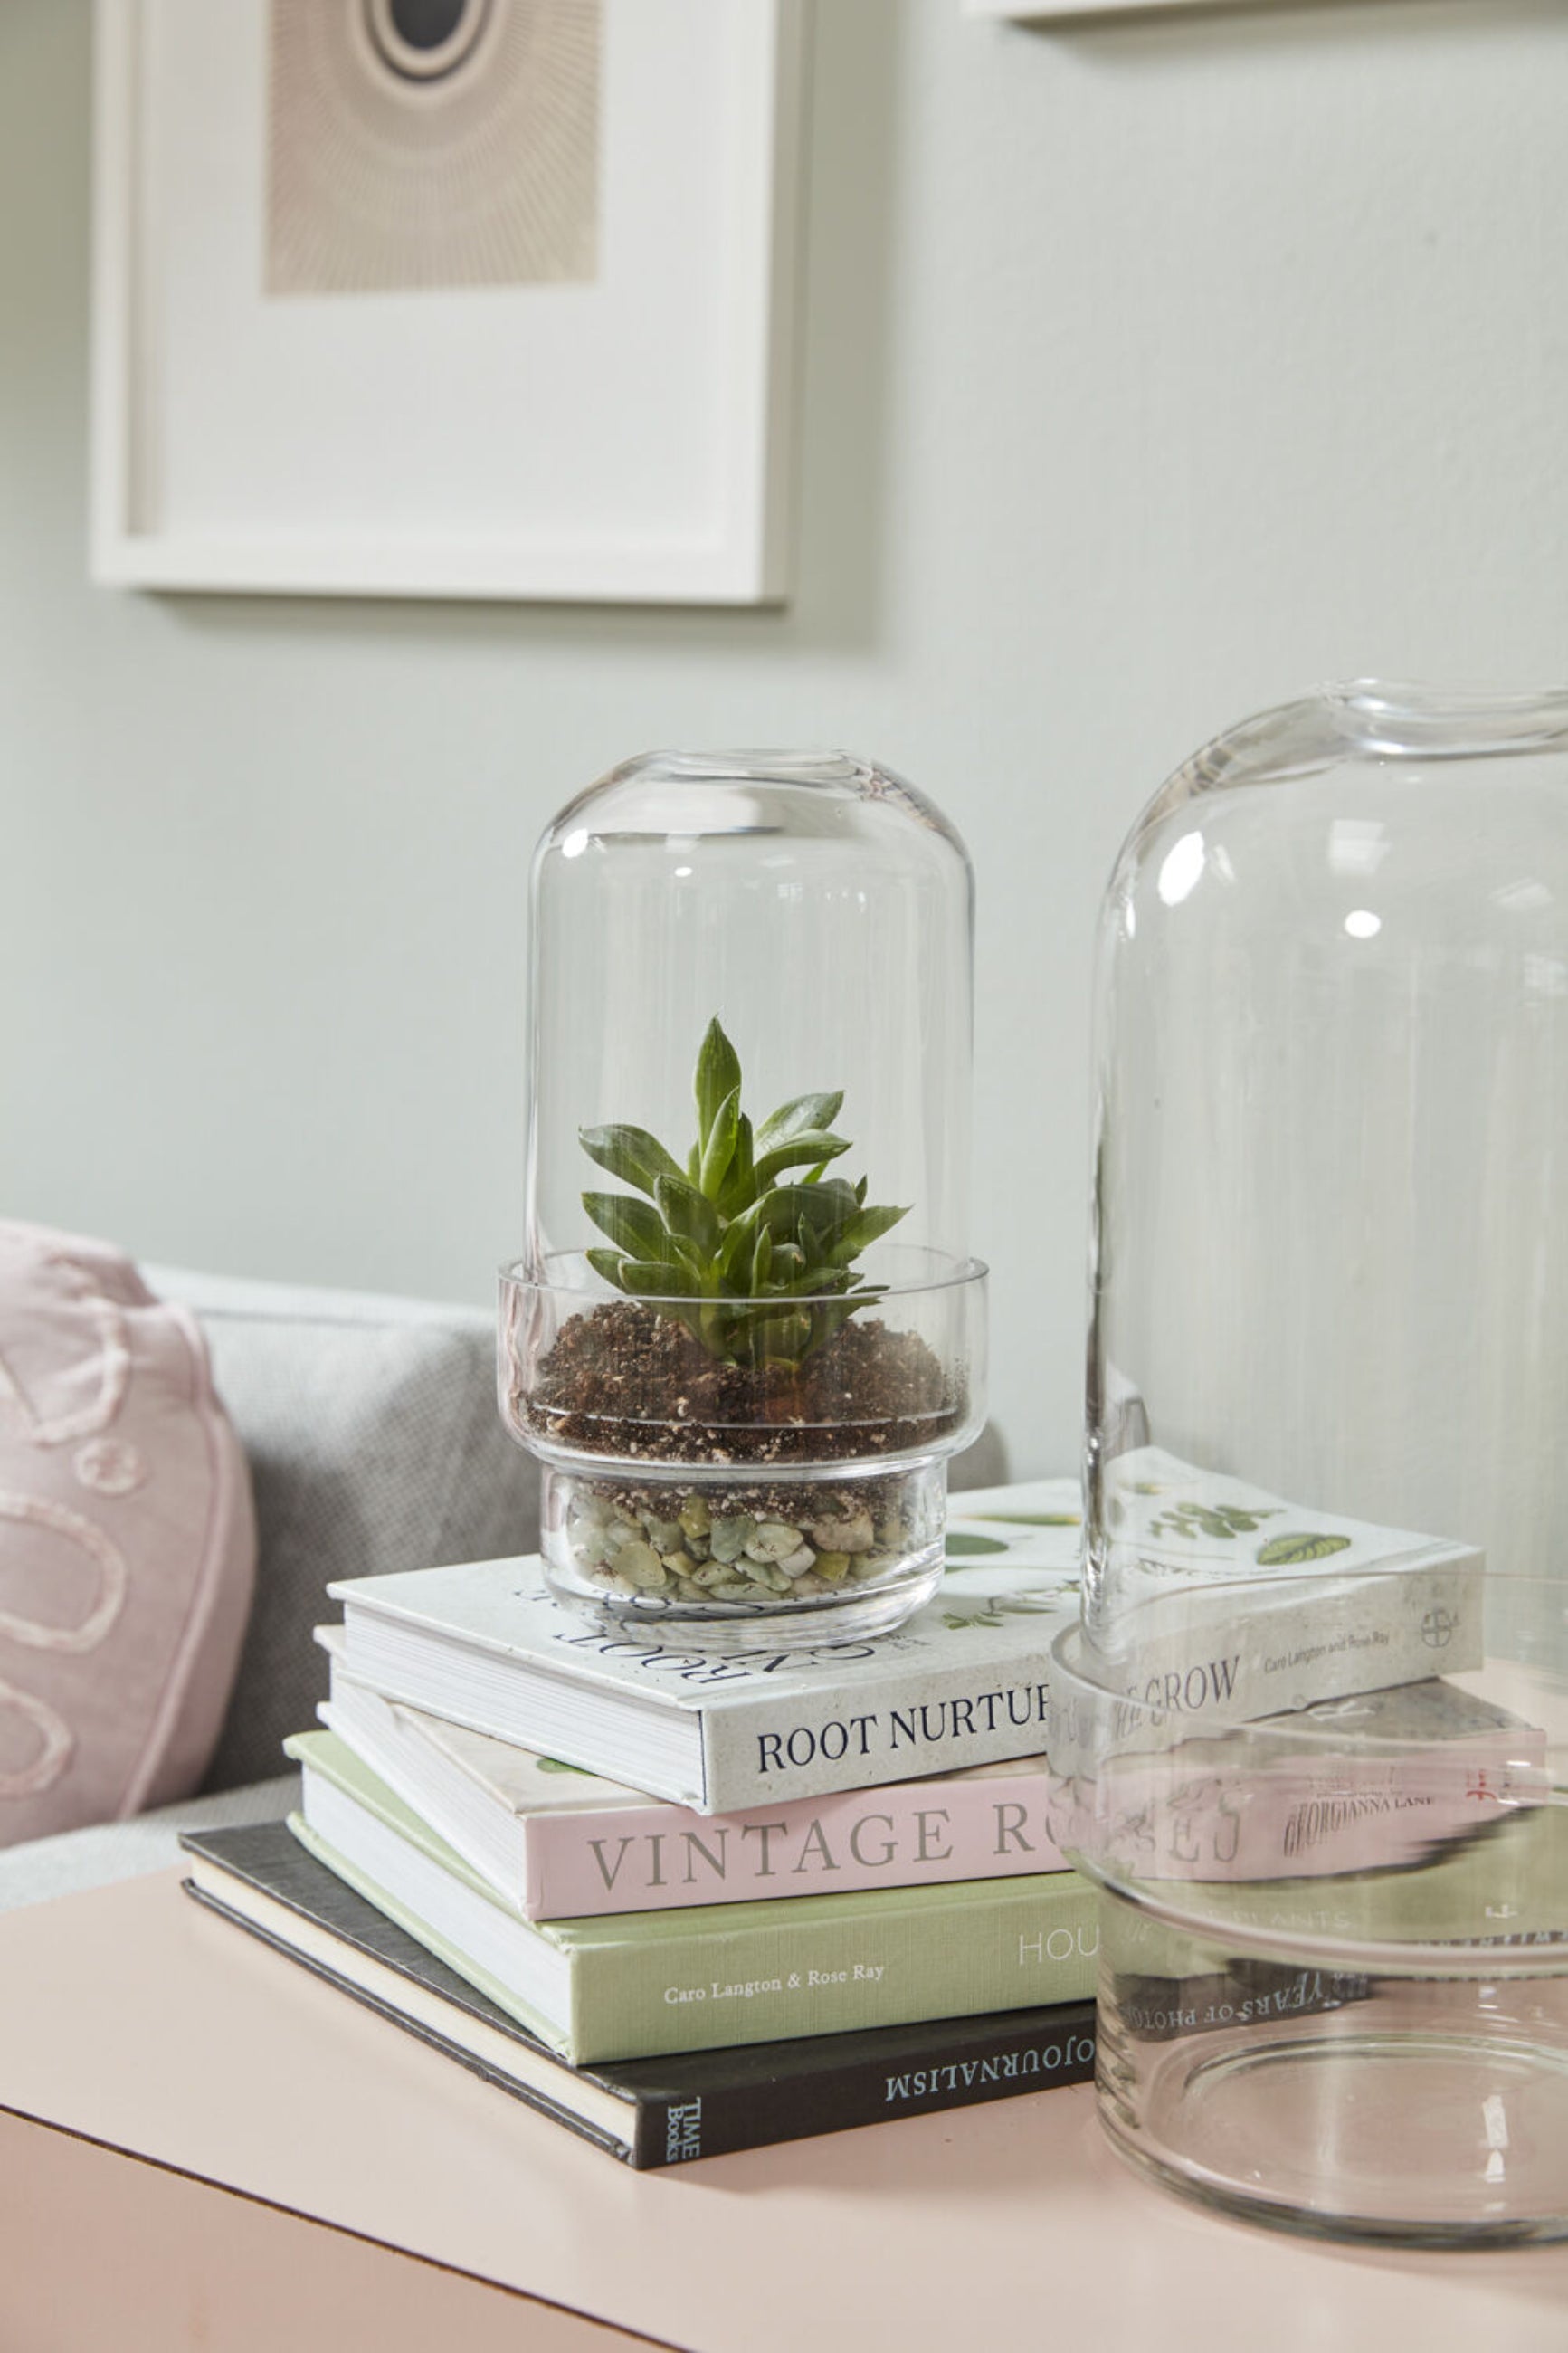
<point>431,143</point>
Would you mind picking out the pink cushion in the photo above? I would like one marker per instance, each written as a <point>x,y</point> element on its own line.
<point>127,1540</point>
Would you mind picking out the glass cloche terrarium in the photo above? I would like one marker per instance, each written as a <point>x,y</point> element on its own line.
<point>1312,1733</point>
<point>747,1335</point>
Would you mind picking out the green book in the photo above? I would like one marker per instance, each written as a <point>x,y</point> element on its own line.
<point>637,1984</point>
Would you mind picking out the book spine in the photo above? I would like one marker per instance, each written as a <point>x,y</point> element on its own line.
<point>1024,1943</point>
<point>656,1858</point>
<point>1385,1628</point>
<point>760,1746</point>
<point>675,2126</point>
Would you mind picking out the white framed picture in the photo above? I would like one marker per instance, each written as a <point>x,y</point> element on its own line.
<point>445,298</point>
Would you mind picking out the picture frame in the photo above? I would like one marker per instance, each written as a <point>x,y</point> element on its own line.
<point>617,431</point>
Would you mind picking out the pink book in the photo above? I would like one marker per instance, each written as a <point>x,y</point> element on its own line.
<point>565,1844</point>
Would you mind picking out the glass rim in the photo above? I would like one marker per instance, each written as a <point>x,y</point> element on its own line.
<point>1401,719</point>
<point>1300,1731</point>
<point>514,1276</point>
<point>1358,1953</point>
<point>1373,719</point>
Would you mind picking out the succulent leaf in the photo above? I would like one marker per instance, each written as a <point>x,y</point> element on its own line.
<point>679,1252</point>
<point>629,1152</point>
<point>813,1146</point>
<point>739,1241</point>
<point>718,1078</point>
<point>865,1228</point>
<point>688,1214</point>
<point>631,1225</point>
<point>798,1118</point>
<point>719,1150</point>
<point>651,1279</point>
<point>739,1189</point>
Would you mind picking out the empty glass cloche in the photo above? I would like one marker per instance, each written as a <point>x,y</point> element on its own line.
<point>1310,1736</point>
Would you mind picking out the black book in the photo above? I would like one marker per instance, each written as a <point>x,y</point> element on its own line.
<point>646,2112</point>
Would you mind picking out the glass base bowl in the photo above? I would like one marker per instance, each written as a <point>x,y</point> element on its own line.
<point>1334,1941</point>
<point>1409,2110</point>
<point>679,1556</point>
<point>723,1500</point>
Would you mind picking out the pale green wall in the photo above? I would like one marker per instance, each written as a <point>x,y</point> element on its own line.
<point>1151,374</point>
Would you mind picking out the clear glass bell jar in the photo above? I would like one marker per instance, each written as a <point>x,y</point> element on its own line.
<point>746,1332</point>
<point>1312,1727</point>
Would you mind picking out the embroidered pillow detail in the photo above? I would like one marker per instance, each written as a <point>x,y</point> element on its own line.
<point>127,1540</point>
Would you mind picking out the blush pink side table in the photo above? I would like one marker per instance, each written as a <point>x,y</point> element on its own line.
<point>258,2159</point>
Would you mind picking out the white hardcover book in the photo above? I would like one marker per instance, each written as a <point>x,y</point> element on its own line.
<point>1218,1599</point>
<point>961,1683</point>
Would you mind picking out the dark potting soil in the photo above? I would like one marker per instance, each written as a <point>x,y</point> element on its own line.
<point>625,1380</point>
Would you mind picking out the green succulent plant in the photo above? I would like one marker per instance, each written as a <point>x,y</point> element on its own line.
<point>750,1245</point>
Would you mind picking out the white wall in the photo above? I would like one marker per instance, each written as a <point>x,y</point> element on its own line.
<point>1153,370</point>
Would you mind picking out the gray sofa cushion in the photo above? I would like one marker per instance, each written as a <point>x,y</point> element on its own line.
<point>374,1444</point>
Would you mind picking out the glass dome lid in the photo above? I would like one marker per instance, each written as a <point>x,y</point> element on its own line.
<point>747,1210</point>
<point>815,904</point>
<point>1330,1248</point>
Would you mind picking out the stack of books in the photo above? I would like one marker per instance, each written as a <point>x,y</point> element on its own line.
<point>691,1903</point>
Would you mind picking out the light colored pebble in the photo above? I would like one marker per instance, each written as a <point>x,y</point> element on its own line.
<point>833,1567</point>
<point>664,1535</point>
<point>731,1536</point>
<point>695,1516</point>
<point>773,1540</point>
<point>852,1532</point>
<point>643,1566</point>
<point>795,1564</point>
